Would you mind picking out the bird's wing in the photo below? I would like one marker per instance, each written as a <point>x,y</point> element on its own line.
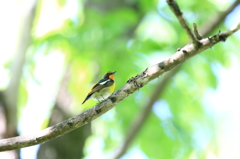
<point>101,84</point>
<point>98,86</point>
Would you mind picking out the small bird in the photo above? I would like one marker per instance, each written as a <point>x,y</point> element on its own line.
<point>103,89</point>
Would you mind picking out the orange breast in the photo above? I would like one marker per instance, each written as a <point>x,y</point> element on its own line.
<point>111,77</point>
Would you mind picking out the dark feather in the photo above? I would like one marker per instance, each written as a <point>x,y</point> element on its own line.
<point>87,97</point>
<point>97,87</point>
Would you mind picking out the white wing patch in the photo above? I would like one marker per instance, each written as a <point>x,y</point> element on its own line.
<point>104,82</point>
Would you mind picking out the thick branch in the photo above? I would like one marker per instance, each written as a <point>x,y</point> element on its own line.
<point>132,85</point>
<point>176,10</point>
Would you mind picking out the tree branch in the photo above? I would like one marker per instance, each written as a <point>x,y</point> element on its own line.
<point>176,10</point>
<point>133,84</point>
<point>11,93</point>
<point>218,19</point>
<point>60,112</point>
<point>143,115</point>
<point>196,33</point>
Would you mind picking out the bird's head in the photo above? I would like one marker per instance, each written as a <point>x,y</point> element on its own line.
<point>109,75</point>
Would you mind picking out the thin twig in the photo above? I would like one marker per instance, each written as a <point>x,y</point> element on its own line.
<point>176,10</point>
<point>196,33</point>
<point>132,85</point>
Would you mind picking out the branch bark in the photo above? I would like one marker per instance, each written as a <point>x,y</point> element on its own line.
<point>133,84</point>
<point>11,93</point>
<point>143,115</point>
<point>141,118</point>
<point>176,10</point>
<point>60,112</point>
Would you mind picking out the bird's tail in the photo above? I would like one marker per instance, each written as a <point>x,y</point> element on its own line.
<point>87,97</point>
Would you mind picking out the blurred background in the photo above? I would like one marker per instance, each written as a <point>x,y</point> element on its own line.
<point>53,51</point>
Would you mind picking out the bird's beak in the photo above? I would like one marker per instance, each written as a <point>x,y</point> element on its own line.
<point>114,72</point>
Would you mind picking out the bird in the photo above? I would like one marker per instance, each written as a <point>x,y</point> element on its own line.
<point>103,89</point>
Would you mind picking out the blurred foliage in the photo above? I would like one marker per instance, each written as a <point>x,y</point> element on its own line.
<point>128,36</point>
